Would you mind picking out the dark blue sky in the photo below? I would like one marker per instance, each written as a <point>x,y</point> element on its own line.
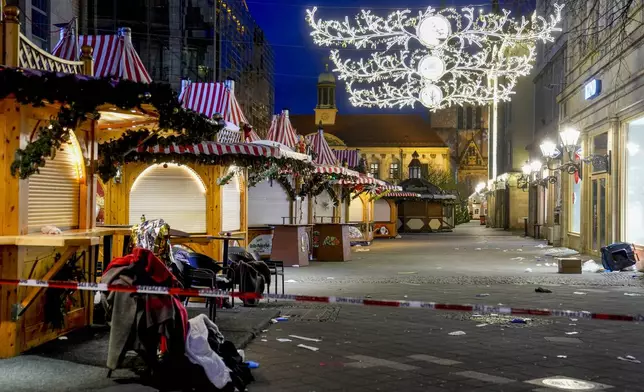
<point>298,61</point>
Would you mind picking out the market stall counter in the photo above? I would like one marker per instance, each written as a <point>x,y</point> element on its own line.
<point>291,244</point>
<point>331,242</point>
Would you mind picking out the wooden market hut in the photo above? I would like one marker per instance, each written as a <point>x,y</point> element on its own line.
<point>49,186</point>
<point>386,213</point>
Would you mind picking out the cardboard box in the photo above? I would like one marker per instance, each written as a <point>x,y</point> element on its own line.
<point>569,265</point>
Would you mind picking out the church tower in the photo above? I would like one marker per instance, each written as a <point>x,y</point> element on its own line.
<point>326,110</point>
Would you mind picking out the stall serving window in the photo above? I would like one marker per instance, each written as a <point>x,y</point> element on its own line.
<point>634,183</point>
<point>356,210</point>
<point>173,193</point>
<point>268,204</point>
<point>231,204</point>
<point>54,193</point>
<point>382,211</point>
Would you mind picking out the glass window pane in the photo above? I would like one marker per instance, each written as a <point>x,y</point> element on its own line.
<point>600,147</point>
<point>595,214</point>
<point>575,206</point>
<point>634,189</point>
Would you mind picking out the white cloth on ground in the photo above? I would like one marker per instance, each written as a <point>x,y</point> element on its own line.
<point>200,353</point>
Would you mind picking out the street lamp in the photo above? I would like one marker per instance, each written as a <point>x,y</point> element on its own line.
<point>537,166</point>
<point>479,187</point>
<point>570,144</point>
<point>523,181</point>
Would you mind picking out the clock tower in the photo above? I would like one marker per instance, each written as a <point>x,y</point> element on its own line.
<point>326,110</point>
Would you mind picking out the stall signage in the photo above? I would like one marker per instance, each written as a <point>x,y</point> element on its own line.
<point>262,244</point>
<point>592,89</point>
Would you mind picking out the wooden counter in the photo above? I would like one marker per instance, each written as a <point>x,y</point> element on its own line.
<point>331,242</point>
<point>291,244</point>
<point>89,237</point>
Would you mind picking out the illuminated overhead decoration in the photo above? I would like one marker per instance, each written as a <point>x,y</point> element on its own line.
<point>438,58</point>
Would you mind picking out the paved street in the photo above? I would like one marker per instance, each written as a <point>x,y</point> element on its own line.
<point>371,348</point>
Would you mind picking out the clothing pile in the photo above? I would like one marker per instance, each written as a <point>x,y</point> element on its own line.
<point>158,329</point>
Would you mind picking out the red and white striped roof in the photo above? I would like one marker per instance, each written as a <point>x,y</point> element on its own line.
<point>214,148</point>
<point>393,195</point>
<point>282,131</point>
<point>114,55</point>
<point>324,153</point>
<point>332,169</point>
<point>211,98</point>
<point>352,157</point>
<point>252,136</point>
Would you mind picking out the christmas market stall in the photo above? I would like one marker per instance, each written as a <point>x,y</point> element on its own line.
<point>277,216</point>
<point>432,211</point>
<point>386,212</point>
<point>50,108</point>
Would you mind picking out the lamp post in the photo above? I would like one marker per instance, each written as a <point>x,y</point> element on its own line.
<point>570,145</point>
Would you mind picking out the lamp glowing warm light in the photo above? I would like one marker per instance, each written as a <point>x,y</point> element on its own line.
<point>526,169</point>
<point>549,149</point>
<point>479,187</point>
<point>193,174</point>
<point>569,138</point>
<point>535,166</point>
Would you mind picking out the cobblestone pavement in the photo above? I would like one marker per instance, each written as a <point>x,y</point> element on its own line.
<point>382,349</point>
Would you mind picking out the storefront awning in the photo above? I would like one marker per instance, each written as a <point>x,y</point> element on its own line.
<point>393,195</point>
<point>214,148</point>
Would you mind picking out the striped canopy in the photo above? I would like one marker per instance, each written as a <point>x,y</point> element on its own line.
<point>282,131</point>
<point>352,157</point>
<point>252,136</point>
<point>393,195</point>
<point>324,153</point>
<point>114,55</point>
<point>211,98</point>
<point>215,148</point>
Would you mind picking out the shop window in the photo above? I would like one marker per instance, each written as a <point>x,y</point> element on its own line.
<point>575,205</point>
<point>634,189</point>
<point>600,147</point>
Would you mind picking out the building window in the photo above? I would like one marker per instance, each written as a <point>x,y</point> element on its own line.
<point>575,206</point>
<point>459,117</point>
<point>469,114</point>
<point>393,170</point>
<point>600,147</point>
<point>374,168</point>
<point>40,29</point>
<point>478,118</point>
<point>634,189</point>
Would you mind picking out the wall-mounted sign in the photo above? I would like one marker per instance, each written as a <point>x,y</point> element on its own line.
<point>592,89</point>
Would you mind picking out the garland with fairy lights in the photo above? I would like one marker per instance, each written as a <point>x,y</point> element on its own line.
<point>80,97</point>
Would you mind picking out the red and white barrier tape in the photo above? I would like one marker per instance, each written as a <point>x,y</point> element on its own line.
<point>211,293</point>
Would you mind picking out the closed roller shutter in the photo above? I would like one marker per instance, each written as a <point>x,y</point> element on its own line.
<point>174,194</point>
<point>355,210</point>
<point>383,211</point>
<point>231,206</point>
<point>267,204</point>
<point>323,207</point>
<point>302,211</point>
<point>54,193</point>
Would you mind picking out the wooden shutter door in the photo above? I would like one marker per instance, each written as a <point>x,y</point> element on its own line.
<point>267,204</point>
<point>54,193</point>
<point>174,194</point>
<point>231,206</point>
<point>382,211</point>
<point>355,210</point>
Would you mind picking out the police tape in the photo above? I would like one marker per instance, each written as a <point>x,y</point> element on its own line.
<point>214,293</point>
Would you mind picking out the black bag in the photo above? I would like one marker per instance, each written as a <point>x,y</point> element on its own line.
<point>618,256</point>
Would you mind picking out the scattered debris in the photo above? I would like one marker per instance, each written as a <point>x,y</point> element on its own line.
<point>477,249</point>
<point>483,295</point>
<point>481,325</point>
<point>264,340</point>
<point>562,356</point>
<point>572,333</point>
<point>579,293</point>
<point>296,266</point>
<point>362,250</point>
<point>252,364</point>
<point>591,266</point>
<point>330,277</point>
<point>308,347</point>
<point>573,319</point>
<point>457,333</point>
<point>538,265</point>
<point>518,321</point>
<point>404,296</point>
<point>283,340</point>
<point>410,284</point>
<point>629,358</point>
<point>291,281</point>
<point>280,319</point>
<point>528,270</point>
<point>62,338</point>
<point>519,250</point>
<point>305,338</point>
<point>572,324</point>
<point>518,258</point>
<point>543,246</point>
<point>505,250</point>
<point>633,294</point>
<point>367,296</point>
<point>273,321</point>
<point>456,248</point>
<point>264,330</point>
<point>407,272</point>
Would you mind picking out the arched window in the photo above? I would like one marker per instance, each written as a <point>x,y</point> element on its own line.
<point>173,193</point>
<point>356,210</point>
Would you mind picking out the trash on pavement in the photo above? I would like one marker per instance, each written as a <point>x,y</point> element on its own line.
<point>308,347</point>
<point>264,330</point>
<point>457,333</point>
<point>591,266</point>
<point>542,290</point>
<point>296,266</point>
<point>264,340</point>
<point>579,293</point>
<point>62,338</point>
<point>291,281</point>
<point>538,265</point>
<point>519,250</point>
<point>574,319</point>
<point>362,250</point>
<point>481,325</point>
<point>305,338</point>
<point>518,258</point>
<point>252,364</point>
<point>629,358</point>
<point>456,248</point>
<point>543,246</point>
<point>528,270</point>
<point>633,294</point>
<point>283,318</point>
<point>562,356</point>
<point>477,249</point>
<point>283,340</point>
<point>407,272</point>
<point>242,354</point>
<point>518,321</point>
<point>483,295</point>
<point>330,277</point>
<point>572,333</point>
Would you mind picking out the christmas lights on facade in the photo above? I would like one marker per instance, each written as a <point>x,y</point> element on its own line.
<point>439,58</point>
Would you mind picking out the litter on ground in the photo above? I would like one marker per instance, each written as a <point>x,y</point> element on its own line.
<point>562,356</point>
<point>481,325</point>
<point>457,333</point>
<point>629,358</point>
<point>305,338</point>
<point>483,295</point>
<point>579,293</point>
<point>518,258</point>
<point>362,250</point>
<point>591,266</point>
<point>572,333</point>
<point>308,347</point>
<point>633,294</point>
<point>283,340</point>
<point>291,281</point>
<point>528,270</point>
